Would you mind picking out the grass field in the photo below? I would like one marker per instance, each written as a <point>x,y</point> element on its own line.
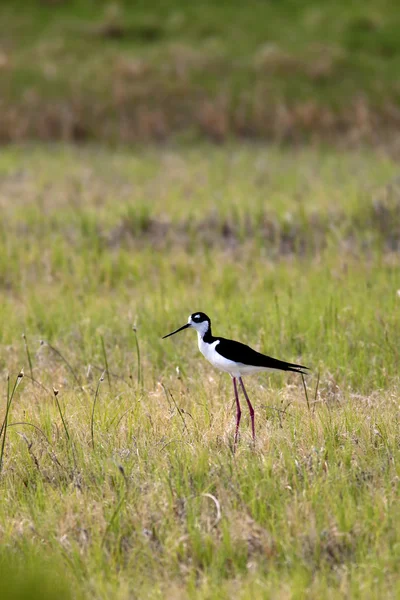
<point>128,71</point>
<point>128,487</point>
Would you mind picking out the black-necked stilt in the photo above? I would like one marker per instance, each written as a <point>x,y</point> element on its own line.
<point>234,358</point>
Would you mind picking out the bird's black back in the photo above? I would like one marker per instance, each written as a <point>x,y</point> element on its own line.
<point>242,353</point>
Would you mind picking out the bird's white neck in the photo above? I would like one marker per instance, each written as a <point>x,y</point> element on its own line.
<point>201,329</point>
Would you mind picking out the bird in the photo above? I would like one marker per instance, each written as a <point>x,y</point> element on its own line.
<point>234,358</point>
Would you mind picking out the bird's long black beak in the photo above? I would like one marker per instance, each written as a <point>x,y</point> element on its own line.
<point>176,330</point>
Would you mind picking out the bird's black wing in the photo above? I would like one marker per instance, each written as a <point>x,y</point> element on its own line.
<point>242,353</point>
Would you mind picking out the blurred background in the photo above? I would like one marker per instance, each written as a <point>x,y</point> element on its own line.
<point>295,70</point>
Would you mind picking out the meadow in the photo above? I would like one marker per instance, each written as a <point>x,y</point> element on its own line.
<point>118,477</point>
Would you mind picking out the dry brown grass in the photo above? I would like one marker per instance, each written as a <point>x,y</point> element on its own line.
<point>131,118</point>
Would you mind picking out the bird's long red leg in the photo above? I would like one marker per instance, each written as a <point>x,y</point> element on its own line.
<point>251,409</point>
<point>238,411</point>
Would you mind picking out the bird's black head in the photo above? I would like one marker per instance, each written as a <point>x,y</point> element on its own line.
<point>198,317</point>
<point>199,321</point>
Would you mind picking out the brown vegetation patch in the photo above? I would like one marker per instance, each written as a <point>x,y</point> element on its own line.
<point>141,109</point>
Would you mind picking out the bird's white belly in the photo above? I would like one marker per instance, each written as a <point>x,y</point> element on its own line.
<point>224,364</point>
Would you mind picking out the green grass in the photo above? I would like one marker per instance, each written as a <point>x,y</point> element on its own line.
<point>127,71</point>
<point>294,252</point>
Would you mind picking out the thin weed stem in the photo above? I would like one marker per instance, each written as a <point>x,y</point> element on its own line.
<point>305,391</point>
<point>105,361</point>
<point>119,505</point>
<point>94,405</point>
<point>9,398</point>
<point>9,401</point>
<point>166,395</point>
<point>36,382</point>
<point>31,425</point>
<point>316,391</point>
<point>139,364</point>
<point>130,409</point>
<point>28,354</point>
<point>115,375</point>
<point>113,517</point>
<point>180,412</point>
<point>58,353</point>
<point>55,392</point>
